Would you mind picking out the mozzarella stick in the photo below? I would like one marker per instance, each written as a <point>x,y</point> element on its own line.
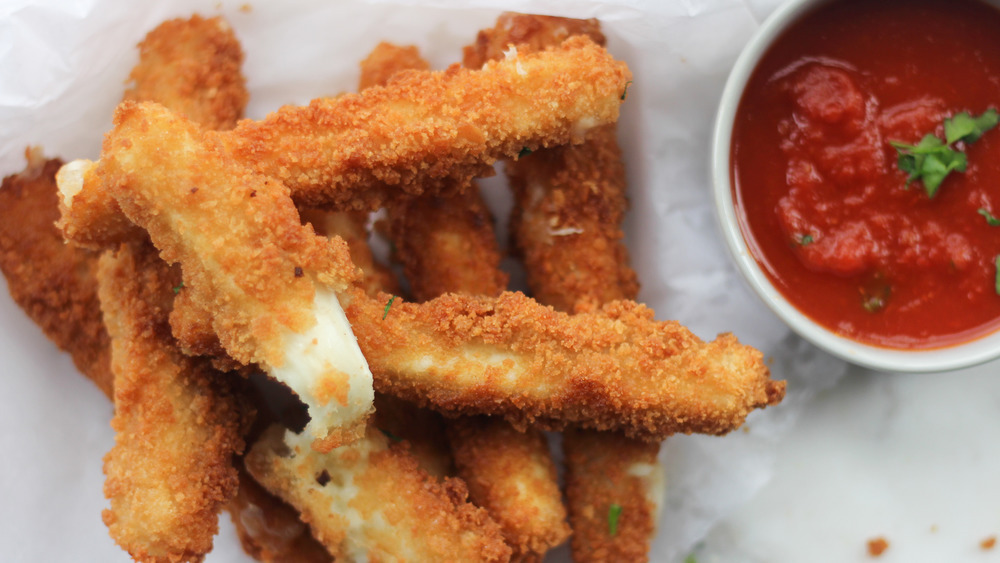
<point>566,224</point>
<point>368,501</point>
<point>615,490</point>
<point>511,474</point>
<point>422,132</point>
<point>53,282</point>
<point>447,244</point>
<point>191,66</point>
<point>269,281</point>
<point>177,423</point>
<point>613,369</point>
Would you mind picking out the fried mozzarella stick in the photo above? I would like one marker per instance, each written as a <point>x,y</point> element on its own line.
<point>613,369</point>
<point>614,491</point>
<point>569,200</point>
<point>53,282</point>
<point>511,474</point>
<point>422,132</point>
<point>177,423</point>
<point>367,501</point>
<point>191,66</point>
<point>569,205</point>
<point>447,244</point>
<point>269,281</point>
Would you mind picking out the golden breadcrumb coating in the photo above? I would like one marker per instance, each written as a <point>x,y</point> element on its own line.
<point>569,201</point>
<point>191,66</point>
<point>613,369</point>
<point>447,244</point>
<point>352,227</point>
<point>614,487</point>
<point>566,223</point>
<point>422,132</point>
<point>53,282</point>
<point>386,60</point>
<point>367,500</point>
<point>527,32</point>
<point>511,474</point>
<point>177,422</point>
<point>260,272</point>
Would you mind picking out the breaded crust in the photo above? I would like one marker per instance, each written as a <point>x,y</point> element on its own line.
<point>613,486</point>
<point>54,283</point>
<point>178,422</point>
<point>192,66</point>
<point>511,474</point>
<point>613,369</point>
<point>359,150</point>
<point>371,500</point>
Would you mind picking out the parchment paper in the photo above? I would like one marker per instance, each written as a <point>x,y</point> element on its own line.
<point>62,68</point>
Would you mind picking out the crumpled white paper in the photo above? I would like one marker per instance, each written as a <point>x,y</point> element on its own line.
<point>62,70</point>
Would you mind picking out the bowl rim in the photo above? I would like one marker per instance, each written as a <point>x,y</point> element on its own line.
<point>965,354</point>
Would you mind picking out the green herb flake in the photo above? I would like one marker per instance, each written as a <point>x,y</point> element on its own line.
<point>996,279</point>
<point>804,240</point>
<point>990,219</point>
<point>929,161</point>
<point>614,513</point>
<point>625,92</point>
<point>177,289</point>
<point>691,559</point>
<point>390,435</point>
<point>387,305</point>
<point>964,127</point>
<point>524,152</point>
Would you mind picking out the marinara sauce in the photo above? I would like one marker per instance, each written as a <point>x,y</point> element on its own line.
<point>823,204</point>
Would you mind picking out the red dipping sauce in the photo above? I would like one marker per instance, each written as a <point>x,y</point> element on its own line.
<point>822,203</point>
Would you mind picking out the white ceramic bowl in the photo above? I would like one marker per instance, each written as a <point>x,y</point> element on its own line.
<point>885,359</point>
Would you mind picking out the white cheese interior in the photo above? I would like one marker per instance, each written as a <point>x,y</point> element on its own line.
<point>69,178</point>
<point>654,479</point>
<point>328,349</point>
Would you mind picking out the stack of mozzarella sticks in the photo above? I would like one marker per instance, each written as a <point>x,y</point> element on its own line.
<point>218,285</point>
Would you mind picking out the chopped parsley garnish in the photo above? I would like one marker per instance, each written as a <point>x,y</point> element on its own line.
<point>177,289</point>
<point>387,305</point>
<point>931,160</point>
<point>524,152</point>
<point>625,92</point>
<point>990,219</point>
<point>963,127</point>
<point>614,513</point>
<point>996,279</point>
<point>690,559</point>
<point>804,240</point>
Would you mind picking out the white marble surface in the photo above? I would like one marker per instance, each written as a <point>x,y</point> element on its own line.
<point>912,458</point>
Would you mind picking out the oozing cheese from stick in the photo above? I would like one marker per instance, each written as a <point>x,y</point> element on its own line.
<point>327,370</point>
